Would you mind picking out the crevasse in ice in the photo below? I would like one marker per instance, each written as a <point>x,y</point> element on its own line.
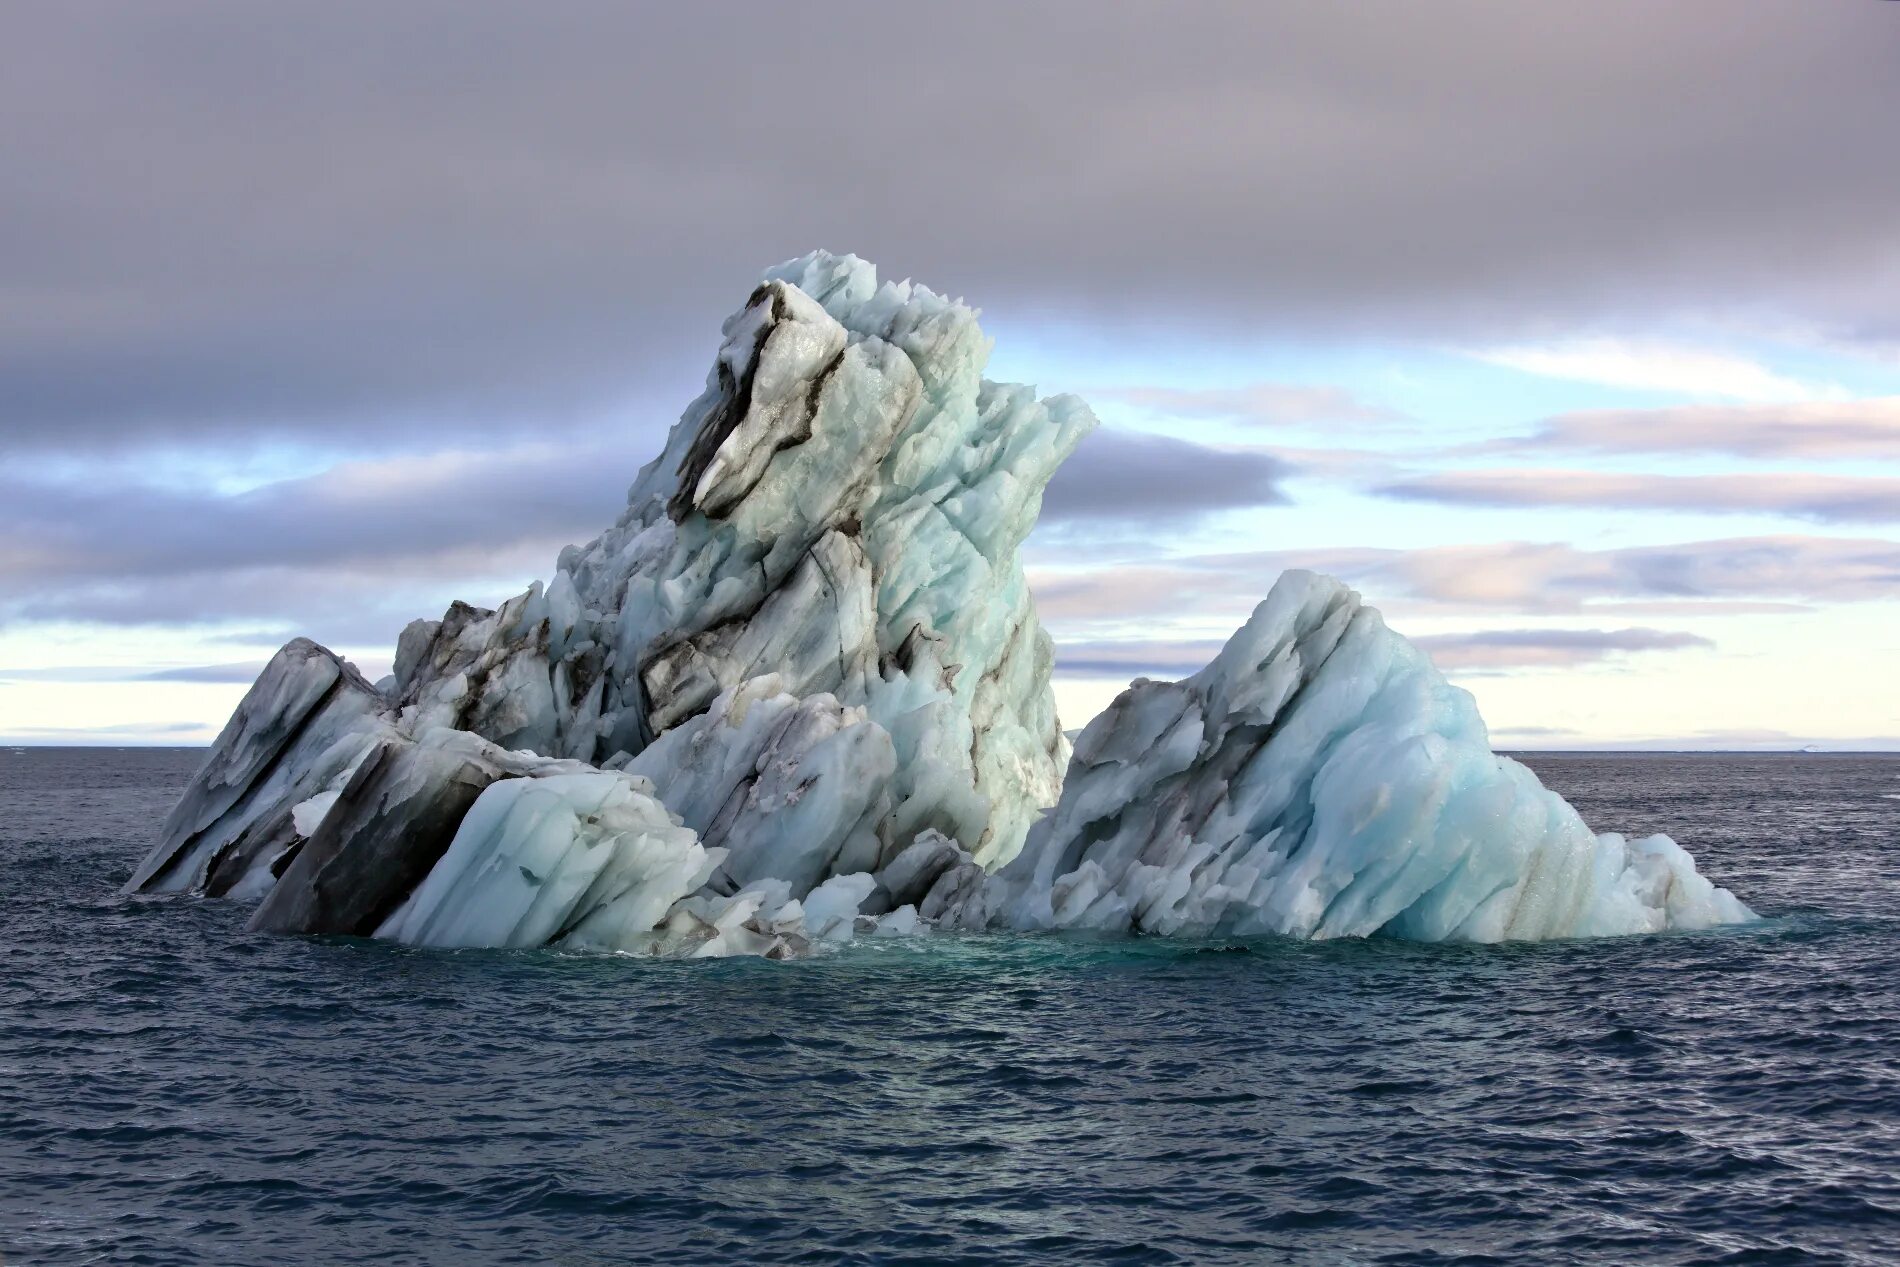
<point>798,692</point>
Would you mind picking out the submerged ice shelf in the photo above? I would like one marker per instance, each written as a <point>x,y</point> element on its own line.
<point>798,692</point>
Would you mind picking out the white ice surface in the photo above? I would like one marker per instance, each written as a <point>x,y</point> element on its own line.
<point>592,861</point>
<point>840,510</point>
<point>1321,779</point>
<point>536,859</point>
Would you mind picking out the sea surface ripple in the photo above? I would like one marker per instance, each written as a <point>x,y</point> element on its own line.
<point>174,1090</point>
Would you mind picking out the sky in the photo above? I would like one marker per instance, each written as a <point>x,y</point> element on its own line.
<point>1568,334</point>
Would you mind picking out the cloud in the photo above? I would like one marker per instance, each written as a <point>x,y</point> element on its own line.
<point>1498,649</point>
<point>355,512</point>
<point>353,553</point>
<point>1552,577</point>
<point>1116,594</point>
<point>347,557</point>
<point>337,607</point>
<point>1132,475</point>
<point>1454,653</point>
<point>1126,660</point>
<point>1264,404</point>
<point>70,673</point>
<point>1825,430</point>
<point>241,673</point>
<point>1659,367</point>
<point>219,673</point>
<point>181,733</point>
<point>1827,498</point>
<point>234,222</point>
<point>1719,576</point>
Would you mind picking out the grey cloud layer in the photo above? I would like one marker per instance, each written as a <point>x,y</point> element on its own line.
<point>366,513</point>
<point>1132,475</point>
<point>342,217</point>
<point>348,554</point>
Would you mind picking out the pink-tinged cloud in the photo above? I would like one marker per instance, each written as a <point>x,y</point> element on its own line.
<point>1500,649</point>
<point>1829,498</point>
<point>1651,366</point>
<point>1724,575</point>
<point>1821,430</point>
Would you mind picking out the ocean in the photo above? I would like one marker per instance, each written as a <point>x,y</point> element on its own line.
<point>176,1091</point>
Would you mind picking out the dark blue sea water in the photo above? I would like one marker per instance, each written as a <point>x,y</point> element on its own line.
<point>174,1090</point>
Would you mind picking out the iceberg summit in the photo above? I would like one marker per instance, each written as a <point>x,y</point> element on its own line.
<point>798,693</point>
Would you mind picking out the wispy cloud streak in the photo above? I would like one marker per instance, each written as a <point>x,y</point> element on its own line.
<point>1815,430</point>
<point>1500,649</point>
<point>1659,367</point>
<point>1717,576</point>
<point>1827,498</point>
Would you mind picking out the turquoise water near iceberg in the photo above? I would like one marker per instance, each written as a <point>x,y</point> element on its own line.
<point>174,1090</point>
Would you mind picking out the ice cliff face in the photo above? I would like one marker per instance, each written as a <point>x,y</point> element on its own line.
<point>1321,779</point>
<point>841,508</point>
<point>809,628</point>
<point>798,693</point>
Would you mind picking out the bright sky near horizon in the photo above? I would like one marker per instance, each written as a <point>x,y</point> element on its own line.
<point>1569,335</point>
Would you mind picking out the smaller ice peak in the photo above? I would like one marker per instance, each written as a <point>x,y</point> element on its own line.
<point>1320,778</point>
<point>592,861</point>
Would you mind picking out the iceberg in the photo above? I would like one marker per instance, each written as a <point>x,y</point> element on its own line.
<point>1320,778</point>
<point>798,693</point>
